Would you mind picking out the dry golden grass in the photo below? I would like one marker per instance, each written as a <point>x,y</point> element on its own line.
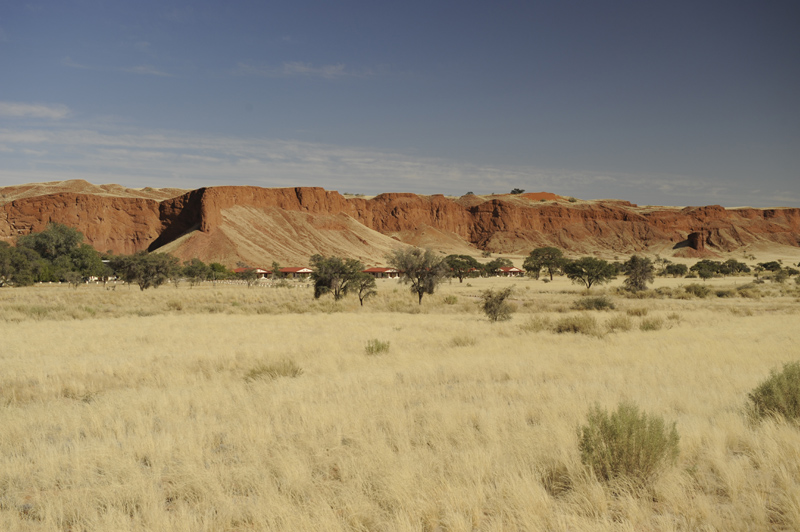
<point>129,410</point>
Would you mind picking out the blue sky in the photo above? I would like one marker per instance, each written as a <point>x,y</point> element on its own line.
<point>664,103</point>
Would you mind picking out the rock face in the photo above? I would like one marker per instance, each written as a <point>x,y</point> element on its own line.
<point>696,241</point>
<point>502,223</point>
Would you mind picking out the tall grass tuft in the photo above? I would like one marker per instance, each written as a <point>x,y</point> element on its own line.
<point>576,324</point>
<point>651,324</point>
<point>376,347</point>
<point>627,443</point>
<point>594,303</point>
<point>281,368</point>
<point>778,395</point>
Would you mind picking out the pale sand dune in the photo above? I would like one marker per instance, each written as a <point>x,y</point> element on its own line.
<point>79,186</point>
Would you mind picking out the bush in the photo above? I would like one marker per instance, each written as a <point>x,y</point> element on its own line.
<point>576,324</point>
<point>697,290</point>
<point>619,323</point>
<point>494,304</point>
<point>450,300</point>
<point>726,293</point>
<point>779,395</point>
<point>627,444</point>
<point>750,291</point>
<point>639,311</point>
<point>282,368</point>
<point>651,324</point>
<point>535,325</point>
<point>593,303</point>
<point>376,347</point>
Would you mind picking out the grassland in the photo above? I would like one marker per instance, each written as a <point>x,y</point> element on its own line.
<point>223,408</point>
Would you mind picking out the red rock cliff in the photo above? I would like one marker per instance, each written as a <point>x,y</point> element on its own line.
<point>497,223</point>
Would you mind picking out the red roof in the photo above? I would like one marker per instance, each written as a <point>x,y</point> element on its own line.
<point>299,269</point>
<point>379,270</point>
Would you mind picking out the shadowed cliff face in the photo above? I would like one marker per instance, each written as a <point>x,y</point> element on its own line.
<point>499,223</point>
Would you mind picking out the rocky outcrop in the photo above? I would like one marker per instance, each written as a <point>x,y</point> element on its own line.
<point>502,223</point>
<point>122,225</point>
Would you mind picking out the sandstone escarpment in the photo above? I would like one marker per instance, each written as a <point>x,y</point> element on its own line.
<point>253,222</point>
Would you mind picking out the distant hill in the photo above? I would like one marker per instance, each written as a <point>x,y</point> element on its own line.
<point>258,225</point>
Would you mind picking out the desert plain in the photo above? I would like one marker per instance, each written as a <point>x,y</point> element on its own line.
<point>222,407</point>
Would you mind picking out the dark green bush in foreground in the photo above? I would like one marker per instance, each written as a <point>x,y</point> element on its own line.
<point>627,443</point>
<point>779,395</point>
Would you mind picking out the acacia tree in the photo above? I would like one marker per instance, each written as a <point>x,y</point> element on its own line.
<point>364,286</point>
<point>248,275</point>
<point>548,258</point>
<point>423,269</point>
<point>461,265</point>
<point>676,270</point>
<point>196,271</point>
<point>18,265</point>
<point>334,275</point>
<point>55,241</point>
<point>639,271</point>
<point>493,266</point>
<point>148,270</point>
<point>589,271</point>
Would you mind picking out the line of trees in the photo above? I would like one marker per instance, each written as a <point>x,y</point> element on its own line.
<point>58,254</point>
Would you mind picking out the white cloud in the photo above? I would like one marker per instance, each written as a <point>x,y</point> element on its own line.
<point>296,69</point>
<point>146,70</point>
<point>22,110</point>
<point>68,62</point>
<point>103,154</point>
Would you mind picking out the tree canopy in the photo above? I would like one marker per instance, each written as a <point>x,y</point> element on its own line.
<point>638,271</point>
<point>462,266</point>
<point>334,275</point>
<point>589,271</point>
<point>148,270</point>
<point>422,269</point>
<point>548,258</point>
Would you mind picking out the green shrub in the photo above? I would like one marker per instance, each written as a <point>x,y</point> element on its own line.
<point>376,347</point>
<point>576,324</point>
<point>593,303</point>
<point>450,300</point>
<point>627,444</point>
<point>725,293</point>
<point>778,395</point>
<point>494,304</point>
<point>619,323</point>
<point>651,324</point>
<point>282,368</point>
<point>697,290</point>
<point>638,311</point>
